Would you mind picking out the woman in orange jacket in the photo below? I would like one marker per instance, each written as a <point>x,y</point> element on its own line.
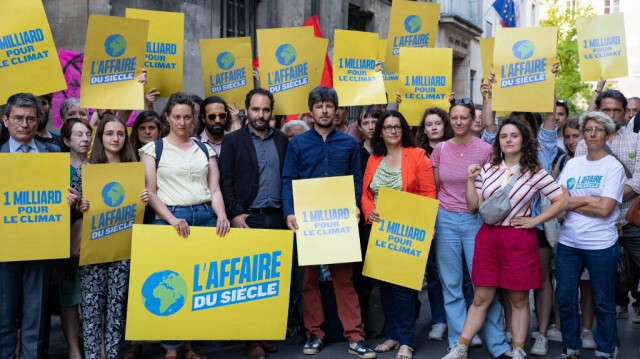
<point>396,163</point>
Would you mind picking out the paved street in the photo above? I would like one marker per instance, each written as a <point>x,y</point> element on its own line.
<point>628,333</point>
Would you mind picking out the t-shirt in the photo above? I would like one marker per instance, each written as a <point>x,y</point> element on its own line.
<point>524,189</point>
<point>182,175</point>
<point>452,163</point>
<point>602,178</point>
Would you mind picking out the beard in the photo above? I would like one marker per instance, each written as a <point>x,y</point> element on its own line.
<point>43,122</point>
<point>254,124</point>
<point>215,129</point>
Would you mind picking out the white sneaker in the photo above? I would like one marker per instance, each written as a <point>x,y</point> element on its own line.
<point>554,334</point>
<point>518,353</point>
<point>534,334</point>
<point>458,351</point>
<point>540,347</point>
<point>622,312</point>
<point>587,339</point>
<point>437,331</point>
<point>509,337</point>
<point>636,315</point>
<point>476,341</point>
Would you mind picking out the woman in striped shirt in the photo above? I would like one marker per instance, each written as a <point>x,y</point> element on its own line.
<point>506,254</point>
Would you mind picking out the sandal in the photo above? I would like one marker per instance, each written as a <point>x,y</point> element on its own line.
<point>405,352</point>
<point>387,346</point>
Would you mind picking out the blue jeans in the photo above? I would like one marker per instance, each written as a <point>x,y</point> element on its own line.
<point>455,241</point>
<point>434,288</point>
<point>24,286</point>
<point>199,215</point>
<point>602,265</point>
<point>399,305</point>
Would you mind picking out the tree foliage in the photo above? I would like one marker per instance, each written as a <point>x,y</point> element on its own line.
<point>568,84</point>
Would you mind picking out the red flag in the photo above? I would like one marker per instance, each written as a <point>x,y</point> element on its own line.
<point>327,72</point>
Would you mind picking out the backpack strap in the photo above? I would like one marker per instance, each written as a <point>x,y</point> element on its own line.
<point>202,147</point>
<point>159,144</point>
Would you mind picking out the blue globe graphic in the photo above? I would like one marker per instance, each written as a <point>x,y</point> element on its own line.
<point>571,182</point>
<point>523,49</point>
<point>113,194</point>
<point>164,293</point>
<point>115,45</point>
<point>412,24</point>
<point>285,54</point>
<point>225,60</point>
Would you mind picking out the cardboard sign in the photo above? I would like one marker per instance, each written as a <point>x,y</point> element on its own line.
<point>205,287</point>
<point>113,191</point>
<point>34,211</point>
<point>602,47</point>
<point>226,68</point>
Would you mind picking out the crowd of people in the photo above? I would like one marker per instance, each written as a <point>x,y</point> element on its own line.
<point>524,202</point>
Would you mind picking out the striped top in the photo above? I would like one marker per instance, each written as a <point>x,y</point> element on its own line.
<point>524,190</point>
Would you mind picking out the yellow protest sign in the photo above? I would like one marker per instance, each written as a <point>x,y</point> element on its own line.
<point>391,82</point>
<point>29,59</point>
<point>399,244</point>
<point>412,24</point>
<point>165,48</point>
<point>113,191</point>
<point>209,288</point>
<point>522,61</point>
<point>424,86</point>
<point>226,68</point>
<point>486,56</point>
<point>291,64</point>
<point>35,214</point>
<point>355,78</point>
<point>113,59</point>
<point>602,47</point>
<point>327,225</point>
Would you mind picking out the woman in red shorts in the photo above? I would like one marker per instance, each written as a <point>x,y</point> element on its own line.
<point>506,254</point>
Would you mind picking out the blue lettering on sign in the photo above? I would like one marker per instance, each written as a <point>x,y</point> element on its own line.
<point>241,275</point>
<point>400,237</point>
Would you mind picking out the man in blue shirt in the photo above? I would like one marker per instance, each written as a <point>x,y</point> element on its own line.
<point>324,151</point>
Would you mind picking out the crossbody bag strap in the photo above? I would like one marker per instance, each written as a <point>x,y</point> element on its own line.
<point>626,170</point>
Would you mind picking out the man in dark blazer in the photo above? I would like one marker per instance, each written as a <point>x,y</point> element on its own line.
<point>23,284</point>
<point>250,164</point>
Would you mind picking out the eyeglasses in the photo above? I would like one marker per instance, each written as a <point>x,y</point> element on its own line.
<point>461,101</point>
<point>392,128</point>
<point>18,120</point>
<point>221,115</point>
<point>591,129</point>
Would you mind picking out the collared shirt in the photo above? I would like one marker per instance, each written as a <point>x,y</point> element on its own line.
<point>269,183</point>
<point>217,146</point>
<point>311,156</point>
<point>14,146</point>
<point>626,146</point>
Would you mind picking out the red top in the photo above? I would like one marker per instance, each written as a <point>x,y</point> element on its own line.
<point>417,177</point>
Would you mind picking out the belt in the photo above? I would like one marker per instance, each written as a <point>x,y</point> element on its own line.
<point>265,210</point>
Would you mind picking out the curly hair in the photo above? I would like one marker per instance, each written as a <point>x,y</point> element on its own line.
<point>529,158</point>
<point>422,140</point>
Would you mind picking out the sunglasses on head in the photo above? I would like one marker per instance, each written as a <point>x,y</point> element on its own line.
<point>461,101</point>
<point>221,115</point>
<point>561,102</point>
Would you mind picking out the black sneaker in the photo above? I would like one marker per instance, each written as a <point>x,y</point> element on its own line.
<point>312,346</point>
<point>362,350</point>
